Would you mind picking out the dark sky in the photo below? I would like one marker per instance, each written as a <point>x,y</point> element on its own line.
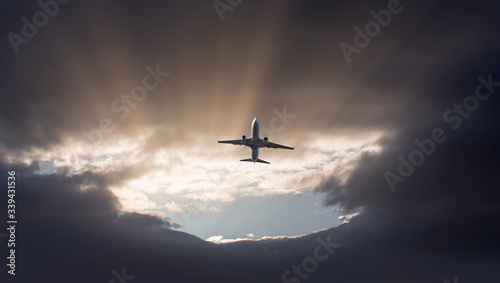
<point>423,90</point>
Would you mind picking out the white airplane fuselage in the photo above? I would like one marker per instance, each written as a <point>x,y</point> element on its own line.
<point>255,130</point>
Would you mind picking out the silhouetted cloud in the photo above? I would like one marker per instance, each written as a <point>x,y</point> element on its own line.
<point>441,222</point>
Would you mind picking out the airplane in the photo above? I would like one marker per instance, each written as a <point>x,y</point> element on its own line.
<point>255,142</point>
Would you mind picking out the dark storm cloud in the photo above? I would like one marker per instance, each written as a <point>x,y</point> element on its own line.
<point>444,214</point>
<point>441,222</point>
<point>64,232</point>
<point>65,79</point>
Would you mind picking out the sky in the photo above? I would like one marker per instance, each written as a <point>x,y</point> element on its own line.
<point>111,112</point>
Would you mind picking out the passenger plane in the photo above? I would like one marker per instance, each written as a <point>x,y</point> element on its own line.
<point>255,142</point>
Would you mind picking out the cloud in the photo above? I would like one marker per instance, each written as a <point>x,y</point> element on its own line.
<point>86,210</point>
<point>346,218</point>
<point>172,206</point>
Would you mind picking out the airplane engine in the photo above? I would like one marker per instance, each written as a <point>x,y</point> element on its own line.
<point>243,138</point>
<point>266,141</point>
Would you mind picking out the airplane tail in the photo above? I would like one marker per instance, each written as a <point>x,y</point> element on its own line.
<point>258,160</point>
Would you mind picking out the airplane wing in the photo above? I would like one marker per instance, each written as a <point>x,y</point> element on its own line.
<point>273,145</point>
<point>234,142</point>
